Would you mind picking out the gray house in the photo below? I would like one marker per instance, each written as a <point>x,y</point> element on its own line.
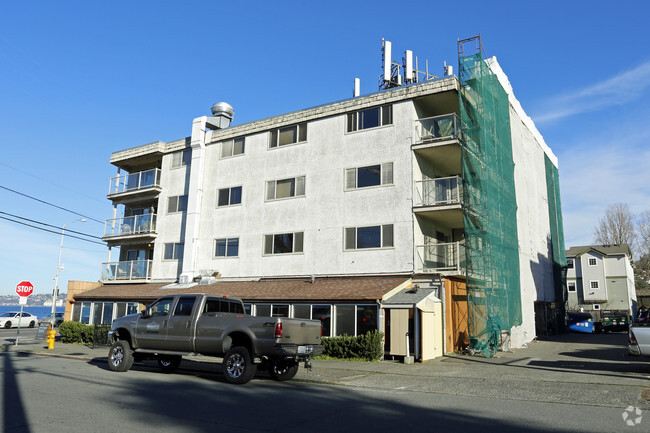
<point>600,277</point>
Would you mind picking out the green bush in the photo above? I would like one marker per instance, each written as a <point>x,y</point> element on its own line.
<point>368,346</point>
<point>76,332</point>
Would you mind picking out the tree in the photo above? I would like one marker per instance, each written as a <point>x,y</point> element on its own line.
<point>643,227</point>
<point>616,227</point>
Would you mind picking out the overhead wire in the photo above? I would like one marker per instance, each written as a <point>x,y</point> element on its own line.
<point>50,225</point>
<point>52,231</point>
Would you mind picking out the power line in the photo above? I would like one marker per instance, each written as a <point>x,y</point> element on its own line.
<point>50,231</point>
<point>50,204</point>
<point>50,225</point>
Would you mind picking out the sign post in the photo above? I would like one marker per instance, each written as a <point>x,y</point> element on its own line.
<point>23,289</point>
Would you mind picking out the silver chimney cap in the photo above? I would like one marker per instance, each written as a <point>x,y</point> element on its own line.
<point>223,108</point>
<point>222,113</point>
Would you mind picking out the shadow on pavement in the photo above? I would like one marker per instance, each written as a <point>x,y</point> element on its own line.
<point>13,409</point>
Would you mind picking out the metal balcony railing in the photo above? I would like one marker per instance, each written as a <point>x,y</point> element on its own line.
<point>440,191</point>
<point>437,128</point>
<point>132,225</point>
<point>131,270</point>
<point>135,181</point>
<point>443,257</point>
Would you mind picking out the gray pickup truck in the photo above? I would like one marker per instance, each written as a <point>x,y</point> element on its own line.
<point>178,325</point>
<point>639,339</point>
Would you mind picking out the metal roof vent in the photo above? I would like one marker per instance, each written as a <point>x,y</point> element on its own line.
<point>222,114</point>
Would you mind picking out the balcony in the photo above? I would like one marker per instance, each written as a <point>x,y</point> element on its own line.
<point>440,200</point>
<point>437,128</point>
<point>446,258</point>
<point>139,185</point>
<point>436,141</point>
<point>126,271</point>
<point>136,227</point>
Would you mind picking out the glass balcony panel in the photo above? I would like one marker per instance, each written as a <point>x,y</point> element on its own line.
<point>436,128</point>
<point>441,191</point>
<point>131,225</point>
<point>441,257</point>
<point>131,270</point>
<point>135,181</point>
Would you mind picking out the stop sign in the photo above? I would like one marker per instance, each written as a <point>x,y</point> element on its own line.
<point>25,288</point>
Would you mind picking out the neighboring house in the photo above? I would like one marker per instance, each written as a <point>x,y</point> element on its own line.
<point>353,212</point>
<point>600,277</point>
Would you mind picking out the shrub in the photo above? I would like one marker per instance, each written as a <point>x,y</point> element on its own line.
<point>76,332</point>
<point>368,346</point>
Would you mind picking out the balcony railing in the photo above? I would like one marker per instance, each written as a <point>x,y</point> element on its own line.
<point>132,225</point>
<point>135,181</point>
<point>443,257</point>
<point>132,270</point>
<point>440,191</point>
<point>436,128</point>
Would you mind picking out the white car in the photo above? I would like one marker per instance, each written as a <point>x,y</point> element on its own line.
<point>11,319</point>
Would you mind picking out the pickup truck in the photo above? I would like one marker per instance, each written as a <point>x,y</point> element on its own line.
<point>189,324</point>
<point>639,339</point>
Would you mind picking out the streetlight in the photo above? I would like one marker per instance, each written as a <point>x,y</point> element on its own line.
<point>55,292</point>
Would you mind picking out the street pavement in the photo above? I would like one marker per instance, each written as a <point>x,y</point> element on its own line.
<point>577,369</point>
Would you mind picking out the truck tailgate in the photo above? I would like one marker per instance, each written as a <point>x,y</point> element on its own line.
<point>299,331</point>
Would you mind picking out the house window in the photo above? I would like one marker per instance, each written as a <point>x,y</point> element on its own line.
<point>369,118</point>
<point>173,251</point>
<point>228,247</point>
<point>229,196</point>
<point>594,285</point>
<point>288,135</point>
<point>592,261</point>
<point>371,175</point>
<point>232,147</point>
<point>284,243</point>
<point>357,238</point>
<point>182,158</point>
<point>285,188</point>
<point>569,263</point>
<point>571,287</point>
<point>177,203</point>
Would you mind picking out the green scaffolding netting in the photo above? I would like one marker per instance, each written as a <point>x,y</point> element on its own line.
<point>489,206</point>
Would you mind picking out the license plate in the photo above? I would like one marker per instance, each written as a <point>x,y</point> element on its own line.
<point>304,349</point>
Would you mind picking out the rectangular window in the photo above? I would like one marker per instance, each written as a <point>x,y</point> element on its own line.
<point>571,287</point>
<point>227,247</point>
<point>184,306</point>
<point>324,314</point>
<point>371,175</point>
<point>345,317</point>
<point>569,263</point>
<point>280,310</point>
<point>173,251</point>
<point>285,188</point>
<point>85,312</point>
<point>263,310</point>
<point>182,158</point>
<point>302,311</point>
<point>177,203</point>
<point>366,318</point>
<point>232,147</point>
<point>369,118</point>
<point>284,243</point>
<point>592,262</point>
<point>108,313</point>
<point>594,285</point>
<point>229,196</point>
<point>288,135</point>
<point>357,238</point>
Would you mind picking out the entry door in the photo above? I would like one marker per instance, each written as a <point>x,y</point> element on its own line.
<point>151,331</point>
<point>179,325</point>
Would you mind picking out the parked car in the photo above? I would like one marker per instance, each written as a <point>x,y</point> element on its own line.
<point>639,339</point>
<point>12,318</point>
<point>58,319</point>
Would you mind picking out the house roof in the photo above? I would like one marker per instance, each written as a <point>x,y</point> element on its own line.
<point>326,289</point>
<point>410,296</point>
<point>606,250</point>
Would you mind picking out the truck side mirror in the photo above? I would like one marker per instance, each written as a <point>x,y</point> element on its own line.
<point>145,313</point>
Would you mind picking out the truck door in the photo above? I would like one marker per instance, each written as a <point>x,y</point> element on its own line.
<point>151,330</point>
<point>180,333</point>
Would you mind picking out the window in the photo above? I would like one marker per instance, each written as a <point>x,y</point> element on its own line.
<point>592,262</point>
<point>184,306</point>
<point>285,243</point>
<point>285,188</point>
<point>569,263</point>
<point>288,135</point>
<point>232,147</point>
<point>182,158</point>
<point>177,203</point>
<point>571,287</point>
<point>223,306</point>
<point>226,247</point>
<point>371,175</point>
<point>324,314</point>
<point>366,318</point>
<point>229,196</point>
<point>160,308</point>
<point>173,251</point>
<point>595,285</point>
<point>302,311</point>
<point>370,118</point>
<point>345,315</point>
<point>357,238</point>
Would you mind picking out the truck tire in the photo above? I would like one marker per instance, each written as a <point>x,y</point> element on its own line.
<point>120,356</point>
<point>169,363</point>
<point>283,369</point>
<point>237,366</point>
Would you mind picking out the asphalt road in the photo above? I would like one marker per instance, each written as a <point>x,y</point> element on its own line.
<point>530,390</point>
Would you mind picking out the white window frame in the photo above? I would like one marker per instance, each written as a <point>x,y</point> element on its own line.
<point>272,236</point>
<point>181,158</point>
<point>175,249</point>
<point>178,200</point>
<point>569,263</point>
<point>571,287</point>
<point>229,147</point>
<point>272,188</point>
<point>353,122</point>
<point>591,284</point>
<point>595,263</point>
<point>226,256</point>
<point>276,134</point>
<point>386,175</point>
<point>229,189</point>
<point>383,241</point>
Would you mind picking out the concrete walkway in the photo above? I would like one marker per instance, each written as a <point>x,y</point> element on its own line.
<point>582,369</point>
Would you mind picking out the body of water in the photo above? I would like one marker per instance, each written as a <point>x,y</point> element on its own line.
<point>36,311</point>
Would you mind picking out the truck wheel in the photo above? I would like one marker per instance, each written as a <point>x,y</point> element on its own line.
<point>237,366</point>
<point>283,369</point>
<point>169,363</point>
<point>120,356</point>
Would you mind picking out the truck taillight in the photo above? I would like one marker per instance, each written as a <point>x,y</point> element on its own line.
<point>278,330</point>
<point>632,338</point>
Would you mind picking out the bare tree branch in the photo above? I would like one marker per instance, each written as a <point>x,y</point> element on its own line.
<point>616,227</point>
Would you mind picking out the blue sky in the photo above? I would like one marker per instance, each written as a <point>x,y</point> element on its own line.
<point>80,80</point>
